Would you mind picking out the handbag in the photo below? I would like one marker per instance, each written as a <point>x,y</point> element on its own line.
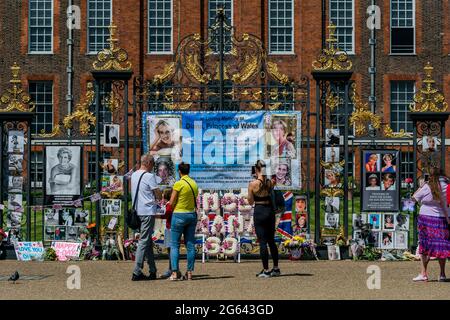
<point>133,220</point>
<point>277,201</point>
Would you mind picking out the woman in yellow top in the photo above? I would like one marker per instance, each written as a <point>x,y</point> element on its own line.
<point>184,221</point>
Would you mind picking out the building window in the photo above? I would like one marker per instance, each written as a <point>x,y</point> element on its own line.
<point>402,94</point>
<point>281,26</point>
<point>342,16</point>
<point>407,166</point>
<point>105,114</point>
<point>402,27</point>
<point>92,165</point>
<point>37,169</point>
<point>41,92</point>
<point>213,7</point>
<point>40,26</point>
<point>160,26</point>
<point>99,19</point>
<point>338,115</point>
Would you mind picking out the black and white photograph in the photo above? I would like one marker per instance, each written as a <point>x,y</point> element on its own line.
<point>387,240</point>
<point>15,163</point>
<point>81,217</point>
<point>332,205</point>
<point>49,233</point>
<point>15,184</point>
<point>60,233</point>
<point>375,238</point>
<point>51,217</point>
<point>373,181</point>
<point>63,173</point>
<point>164,136</point>
<point>359,219</point>
<point>16,142</point>
<point>357,236</point>
<point>66,217</point>
<point>388,222</point>
<point>110,166</point>
<point>13,219</point>
<point>430,143</point>
<point>401,240</point>
<point>402,222</point>
<point>72,233</point>
<point>334,253</point>
<point>331,220</point>
<point>111,207</point>
<point>328,240</point>
<point>112,135</point>
<point>332,137</point>
<point>332,154</point>
<point>15,202</point>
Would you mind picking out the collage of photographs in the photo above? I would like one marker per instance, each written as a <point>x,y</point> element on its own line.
<point>381,171</point>
<point>16,148</point>
<point>64,224</point>
<point>332,157</point>
<point>387,230</point>
<point>301,215</point>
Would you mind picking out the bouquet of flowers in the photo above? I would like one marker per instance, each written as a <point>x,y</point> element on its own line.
<point>210,202</point>
<point>218,226</point>
<point>250,229</point>
<point>131,245</point>
<point>204,224</point>
<point>243,205</point>
<point>235,224</point>
<point>229,202</point>
<point>295,245</point>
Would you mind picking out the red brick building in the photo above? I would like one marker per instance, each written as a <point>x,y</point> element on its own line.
<point>413,32</point>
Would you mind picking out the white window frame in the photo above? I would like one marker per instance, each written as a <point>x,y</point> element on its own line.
<point>52,26</point>
<point>231,21</point>
<point>171,32</point>
<point>34,164</point>
<point>87,27</point>
<point>53,102</point>
<point>352,52</point>
<point>413,26</point>
<point>390,100</point>
<point>293,32</point>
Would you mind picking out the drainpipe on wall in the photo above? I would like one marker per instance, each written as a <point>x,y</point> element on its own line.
<point>69,96</point>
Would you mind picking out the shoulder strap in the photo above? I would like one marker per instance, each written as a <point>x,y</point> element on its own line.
<point>137,192</point>
<point>193,193</point>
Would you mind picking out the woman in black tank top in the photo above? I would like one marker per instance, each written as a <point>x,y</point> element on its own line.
<point>259,191</point>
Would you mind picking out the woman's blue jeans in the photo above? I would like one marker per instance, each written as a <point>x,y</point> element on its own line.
<point>183,224</point>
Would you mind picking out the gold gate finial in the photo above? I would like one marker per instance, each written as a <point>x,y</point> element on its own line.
<point>113,58</point>
<point>428,99</point>
<point>332,58</point>
<point>16,99</point>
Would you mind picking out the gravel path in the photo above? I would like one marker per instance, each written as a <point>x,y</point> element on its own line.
<point>223,280</point>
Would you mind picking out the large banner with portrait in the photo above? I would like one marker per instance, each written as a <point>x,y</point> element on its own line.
<point>62,174</point>
<point>380,176</point>
<point>221,147</point>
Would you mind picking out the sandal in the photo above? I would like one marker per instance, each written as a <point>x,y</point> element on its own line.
<point>175,277</point>
<point>188,275</point>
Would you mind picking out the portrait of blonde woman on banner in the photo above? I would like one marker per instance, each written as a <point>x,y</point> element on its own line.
<point>279,129</point>
<point>165,136</point>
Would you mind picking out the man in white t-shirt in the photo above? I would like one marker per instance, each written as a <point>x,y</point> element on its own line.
<point>147,198</point>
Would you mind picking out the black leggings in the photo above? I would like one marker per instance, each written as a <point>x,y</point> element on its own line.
<point>264,219</point>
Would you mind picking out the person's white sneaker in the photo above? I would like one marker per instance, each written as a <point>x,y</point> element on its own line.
<point>421,277</point>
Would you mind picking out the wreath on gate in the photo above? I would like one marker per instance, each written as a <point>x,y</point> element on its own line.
<point>210,202</point>
<point>229,202</point>
<point>229,246</point>
<point>218,226</point>
<point>212,246</point>
<point>243,205</point>
<point>204,224</point>
<point>235,224</point>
